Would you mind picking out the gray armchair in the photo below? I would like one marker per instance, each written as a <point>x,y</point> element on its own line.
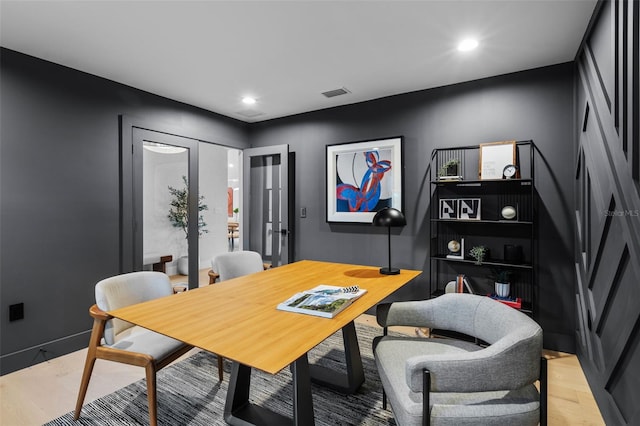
<point>443,381</point>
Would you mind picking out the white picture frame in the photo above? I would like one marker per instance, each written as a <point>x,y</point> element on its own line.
<point>493,157</point>
<point>448,208</point>
<point>363,178</point>
<point>469,209</point>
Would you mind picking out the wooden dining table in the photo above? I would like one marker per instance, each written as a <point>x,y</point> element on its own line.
<point>238,319</point>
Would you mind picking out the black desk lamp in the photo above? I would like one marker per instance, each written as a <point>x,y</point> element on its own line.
<point>389,217</point>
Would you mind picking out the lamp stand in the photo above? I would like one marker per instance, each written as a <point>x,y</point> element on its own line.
<point>389,270</point>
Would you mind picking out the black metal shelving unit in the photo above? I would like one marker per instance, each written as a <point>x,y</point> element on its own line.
<point>490,230</point>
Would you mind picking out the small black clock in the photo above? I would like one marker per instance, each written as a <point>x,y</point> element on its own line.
<point>509,171</point>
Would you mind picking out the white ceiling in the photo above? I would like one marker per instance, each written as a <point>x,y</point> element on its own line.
<point>286,53</point>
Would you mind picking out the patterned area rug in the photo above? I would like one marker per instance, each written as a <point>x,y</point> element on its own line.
<point>189,393</point>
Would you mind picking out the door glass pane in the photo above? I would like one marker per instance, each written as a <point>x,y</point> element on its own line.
<point>234,199</point>
<point>164,205</point>
<point>265,212</point>
<point>220,191</point>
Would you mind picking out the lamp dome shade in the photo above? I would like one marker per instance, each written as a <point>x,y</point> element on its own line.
<point>389,217</point>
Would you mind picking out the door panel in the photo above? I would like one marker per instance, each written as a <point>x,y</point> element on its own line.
<point>161,160</point>
<point>265,201</point>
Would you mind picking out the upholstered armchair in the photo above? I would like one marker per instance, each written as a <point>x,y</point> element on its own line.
<point>116,340</point>
<point>235,264</point>
<point>445,381</point>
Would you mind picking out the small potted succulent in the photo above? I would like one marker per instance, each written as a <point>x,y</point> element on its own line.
<point>479,253</point>
<point>502,282</point>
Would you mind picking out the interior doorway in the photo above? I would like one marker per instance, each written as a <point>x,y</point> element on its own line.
<point>266,201</point>
<point>162,173</point>
<point>236,200</point>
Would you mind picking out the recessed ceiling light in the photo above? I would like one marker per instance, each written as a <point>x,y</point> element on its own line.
<point>249,100</point>
<point>467,44</point>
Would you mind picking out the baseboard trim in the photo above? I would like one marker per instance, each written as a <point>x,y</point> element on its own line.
<point>42,352</point>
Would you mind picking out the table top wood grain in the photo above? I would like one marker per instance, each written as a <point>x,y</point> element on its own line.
<point>238,318</point>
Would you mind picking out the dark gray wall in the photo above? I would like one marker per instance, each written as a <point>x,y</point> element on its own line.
<point>60,191</point>
<point>607,188</point>
<point>60,207</point>
<point>536,104</point>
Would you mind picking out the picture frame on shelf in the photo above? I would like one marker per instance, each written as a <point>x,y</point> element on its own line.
<point>493,157</point>
<point>363,178</point>
<point>448,208</point>
<point>469,209</point>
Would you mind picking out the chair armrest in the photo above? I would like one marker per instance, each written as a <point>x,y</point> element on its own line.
<point>99,314</point>
<point>382,313</point>
<point>496,367</point>
<point>415,313</point>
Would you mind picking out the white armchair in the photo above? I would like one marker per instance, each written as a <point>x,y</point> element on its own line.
<point>116,340</point>
<point>235,264</point>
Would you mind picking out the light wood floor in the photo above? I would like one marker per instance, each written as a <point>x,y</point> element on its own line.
<point>40,393</point>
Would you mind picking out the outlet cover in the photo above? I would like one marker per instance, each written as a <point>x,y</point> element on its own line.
<point>16,312</point>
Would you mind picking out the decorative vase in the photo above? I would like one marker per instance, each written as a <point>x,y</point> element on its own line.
<point>183,265</point>
<point>503,289</point>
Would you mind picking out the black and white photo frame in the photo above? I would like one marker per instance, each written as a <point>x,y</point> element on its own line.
<point>448,208</point>
<point>469,208</point>
<point>460,208</point>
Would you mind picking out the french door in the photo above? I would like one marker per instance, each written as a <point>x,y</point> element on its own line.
<point>265,200</point>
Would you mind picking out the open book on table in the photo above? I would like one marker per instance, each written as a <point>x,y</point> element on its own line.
<point>324,300</point>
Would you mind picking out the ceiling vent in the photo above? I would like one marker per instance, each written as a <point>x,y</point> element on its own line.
<point>336,92</point>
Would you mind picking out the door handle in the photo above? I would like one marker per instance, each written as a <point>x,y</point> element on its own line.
<point>283,232</point>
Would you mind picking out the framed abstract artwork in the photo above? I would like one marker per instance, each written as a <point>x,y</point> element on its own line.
<point>363,178</point>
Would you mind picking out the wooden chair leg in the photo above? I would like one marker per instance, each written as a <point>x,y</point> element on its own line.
<point>220,367</point>
<point>151,394</point>
<point>97,332</point>
<point>84,384</point>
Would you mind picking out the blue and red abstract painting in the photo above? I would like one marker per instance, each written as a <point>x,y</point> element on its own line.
<point>361,183</point>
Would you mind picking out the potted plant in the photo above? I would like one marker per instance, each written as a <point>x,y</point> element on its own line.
<point>479,253</point>
<point>179,217</point>
<point>449,168</point>
<point>502,282</point>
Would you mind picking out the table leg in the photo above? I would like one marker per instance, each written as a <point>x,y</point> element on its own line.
<point>238,411</point>
<point>354,378</point>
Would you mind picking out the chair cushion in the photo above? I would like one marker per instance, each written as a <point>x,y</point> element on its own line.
<point>519,407</point>
<point>141,340</point>
<point>496,408</point>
